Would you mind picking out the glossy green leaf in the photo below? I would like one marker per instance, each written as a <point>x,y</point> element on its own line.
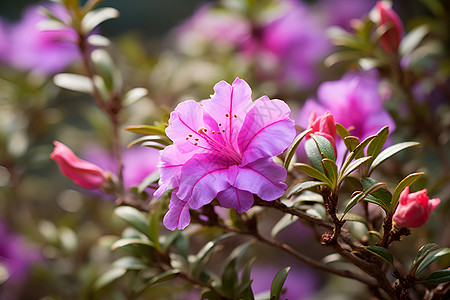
<point>380,196</point>
<point>163,277</point>
<point>284,222</point>
<point>431,257</point>
<point>133,217</point>
<point>134,95</point>
<point>312,172</point>
<point>153,232</point>
<point>407,181</point>
<point>74,82</point>
<point>130,263</point>
<point>376,145</point>
<point>342,131</point>
<point>150,138</point>
<point>358,152</point>
<point>381,252</point>
<point>151,178</point>
<point>388,152</point>
<point>293,147</point>
<point>245,277</point>
<point>331,170</point>
<point>421,254</point>
<point>313,154</point>
<point>325,146</point>
<point>131,241</point>
<point>146,129</point>
<point>359,196</point>
<point>108,277</point>
<point>300,187</point>
<point>278,282</point>
<point>412,39</point>
<point>440,276</point>
<point>352,167</point>
<point>351,142</point>
<point>93,18</point>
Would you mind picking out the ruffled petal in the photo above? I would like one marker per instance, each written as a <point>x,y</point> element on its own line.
<point>236,198</point>
<point>264,178</point>
<point>178,216</point>
<point>202,177</point>
<point>171,161</point>
<point>267,130</point>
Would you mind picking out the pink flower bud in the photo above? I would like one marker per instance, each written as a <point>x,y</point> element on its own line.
<point>323,126</point>
<point>390,40</point>
<point>414,209</point>
<point>81,172</point>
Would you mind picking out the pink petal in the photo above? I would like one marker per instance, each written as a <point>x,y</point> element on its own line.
<point>235,198</point>
<point>171,161</point>
<point>267,130</point>
<point>263,177</point>
<point>178,215</point>
<point>228,106</point>
<point>202,177</point>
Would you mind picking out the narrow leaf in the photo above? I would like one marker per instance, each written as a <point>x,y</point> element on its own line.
<point>151,178</point>
<point>313,173</point>
<point>325,146</point>
<point>421,254</point>
<point>133,217</point>
<point>146,129</point>
<point>357,197</point>
<point>300,187</point>
<point>93,18</point>
<point>440,276</point>
<point>313,153</point>
<point>378,142</point>
<point>351,142</point>
<point>283,223</point>
<point>352,167</point>
<point>407,181</point>
<point>413,39</point>
<point>74,82</point>
<point>108,277</point>
<point>431,257</point>
<point>131,241</point>
<point>342,131</point>
<point>150,138</point>
<point>293,147</point>
<point>331,169</point>
<point>134,95</point>
<point>381,252</point>
<point>388,152</point>
<point>278,282</point>
<point>130,263</point>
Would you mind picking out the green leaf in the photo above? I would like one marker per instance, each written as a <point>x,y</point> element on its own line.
<point>313,154</point>
<point>407,181</point>
<point>341,56</point>
<point>352,167</point>
<point>378,142</point>
<point>351,142</point>
<point>300,187</point>
<point>133,217</point>
<point>74,82</point>
<point>421,254</point>
<point>163,277</point>
<point>134,95</point>
<point>93,18</point>
<point>342,131</point>
<point>388,152</point>
<point>381,252</point>
<point>146,129</point>
<point>293,147</point>
<point>130,263</point>
<point>431,257</point>
<point>131,241</point>
<point>278,282</point>
<point>150,138</point>
<point>380,196</point>
<point>440,276</point>
<point>359,196</point>
<point>314,173</point>
<point>153,230</point>
<point>108,277</point>
<point>285,221</point>
<point>245,277</point>
<point>411,40</point>
<point>356,153</point>
<point>104,67</point>
<point>325,147</point>
<point>331,169</point>
<point>151,178</point>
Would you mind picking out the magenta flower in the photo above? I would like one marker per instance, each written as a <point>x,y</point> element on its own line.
<point>414,209</point>
<point>43,51</point>
<point>81,172</point>
<point>224,147</point>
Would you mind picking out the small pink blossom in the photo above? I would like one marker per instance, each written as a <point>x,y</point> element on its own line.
<point>82,172</point>
<point>414,209</point>
<point>324,126</point>
<point>390,40</point>
<point>224,147</point>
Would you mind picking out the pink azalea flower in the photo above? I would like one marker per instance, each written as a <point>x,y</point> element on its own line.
<point>390,40</point>
<point>43,51</point>
<point>224,147</point>
<point>414,209</point>
<point>81,172</point>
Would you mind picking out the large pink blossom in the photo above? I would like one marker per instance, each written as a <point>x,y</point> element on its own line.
<point>414,209</point>
<point>224,147</point>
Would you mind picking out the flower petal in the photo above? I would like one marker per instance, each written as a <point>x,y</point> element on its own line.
<point>228,106</point>
<point>267,130</point>
<point>236,198</point>
<point>171,161</point>
<point>263,177</point>
<point>178,215</point>
<point>202,177</point>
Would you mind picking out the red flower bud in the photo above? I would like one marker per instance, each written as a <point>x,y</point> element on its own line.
<point>323,126</point>
<point>414,209</point>
<point>81,172</point>
<point>390,40</point>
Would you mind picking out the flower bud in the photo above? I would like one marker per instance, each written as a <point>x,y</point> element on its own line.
<point>82,172</point>
<point>414,209</point>
<point>323,126</point>
<point>390,40</point>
